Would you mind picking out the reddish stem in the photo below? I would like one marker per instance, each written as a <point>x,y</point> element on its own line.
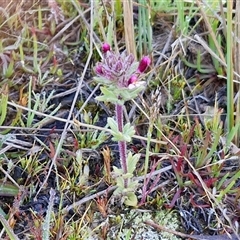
<point>122,144</point>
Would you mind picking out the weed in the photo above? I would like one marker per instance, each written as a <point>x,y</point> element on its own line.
<point>119,73</point>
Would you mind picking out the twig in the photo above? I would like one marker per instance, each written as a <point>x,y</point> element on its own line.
<point>88,198</point>
<point>198,237</point>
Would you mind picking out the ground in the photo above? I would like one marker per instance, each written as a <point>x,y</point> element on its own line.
<point>60,168</point>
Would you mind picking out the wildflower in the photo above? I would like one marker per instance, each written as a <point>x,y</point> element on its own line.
<point>120,70</point>
<point>132,79</point>
<point>120,74</point>
<point>116,68</point>
<point>98,70</point>
<point>106,47</point>
<point>144,63</point>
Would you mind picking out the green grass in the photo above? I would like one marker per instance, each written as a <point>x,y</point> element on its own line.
<point>54,140</point>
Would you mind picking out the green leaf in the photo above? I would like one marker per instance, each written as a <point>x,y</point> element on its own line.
<point>128,94</point>
<point>3,103</point>
<point>118,191</point>
<point>132,186</point>
<point>47,222</point>
<point>129,131</point>
<point>118,171</point>
<point>10,69</point>
<point>109,95</point>
<point>127,175</point>
<point>3,213</point>
<point>112,93</point>
<point>120,183</point>
<point>119,136</point>
<point>132,162</point>
<point>112,124</point>
<point>8,189</point>
<point>9,232</point>
<point>102,80</point>
<point>131,199</point>
<point>107,91</point>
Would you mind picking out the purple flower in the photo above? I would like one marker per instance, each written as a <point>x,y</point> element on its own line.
<point>120,69</point>
<point>144,63</point>
<point>98,70</point>
<point>134,82</point>
<point>116,68</point>
<point>132,79</point>
<point>106,47</point>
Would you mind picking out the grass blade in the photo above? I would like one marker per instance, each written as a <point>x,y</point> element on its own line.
<point>8,229</point>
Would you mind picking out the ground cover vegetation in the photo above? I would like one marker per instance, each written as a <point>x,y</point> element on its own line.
<point>119,119</point>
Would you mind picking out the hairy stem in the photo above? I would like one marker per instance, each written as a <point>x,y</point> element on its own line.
<point>122,144</point>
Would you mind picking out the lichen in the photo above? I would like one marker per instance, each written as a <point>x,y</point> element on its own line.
<point>132,225</point>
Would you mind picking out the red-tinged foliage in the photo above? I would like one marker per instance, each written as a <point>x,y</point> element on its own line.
<point>52,150</point>
<point>210,182</point>
<point>135,149</point>
<point>198,205</point>
<point>55,62</point>
<point>52,130</point>
<point>179,166</point>
<point>175,198</point>
<point>194,179</point>
<point>75,144</point>
<point>97,171</point>
<point>33,31</point>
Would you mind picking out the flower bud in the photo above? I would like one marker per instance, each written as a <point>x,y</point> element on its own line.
<point>144,63</point>
<point>106,47</point>
<point>98,70</point>
<point>132,79</point>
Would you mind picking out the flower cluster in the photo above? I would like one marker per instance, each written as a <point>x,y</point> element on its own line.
<point>120,69</point>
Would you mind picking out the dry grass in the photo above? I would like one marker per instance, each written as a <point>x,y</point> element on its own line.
<point>56,152</point>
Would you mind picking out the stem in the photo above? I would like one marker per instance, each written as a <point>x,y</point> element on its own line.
<point>230,95</point>
<point>122,144</point>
